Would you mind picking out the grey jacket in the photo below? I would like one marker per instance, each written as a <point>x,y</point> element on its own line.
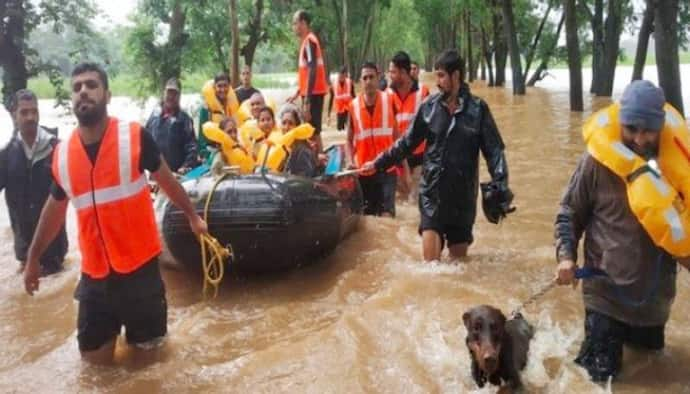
<point>641,282</point>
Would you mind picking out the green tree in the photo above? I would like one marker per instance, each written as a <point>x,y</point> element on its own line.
<point>19,60</point>
<point>155,55</point>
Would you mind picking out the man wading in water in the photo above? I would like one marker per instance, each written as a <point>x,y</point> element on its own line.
<point>100,168</point>
<point>629,301</point>
<point>456,126</point>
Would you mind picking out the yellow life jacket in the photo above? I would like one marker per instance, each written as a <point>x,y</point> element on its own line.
<point>233,153</point>
<point>660,200</point>
<point>215,109</point>
<point>250,135</point>
<point>244,113</point>
<point>280,146</point>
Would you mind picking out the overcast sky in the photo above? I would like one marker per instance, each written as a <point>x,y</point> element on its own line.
<point>117,10</point>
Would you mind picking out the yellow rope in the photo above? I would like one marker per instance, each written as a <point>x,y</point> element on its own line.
<point>213,254</point>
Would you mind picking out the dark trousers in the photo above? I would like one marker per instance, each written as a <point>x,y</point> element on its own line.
<point>316,112</point>
<point>342,120</point>
<point>601,353</point>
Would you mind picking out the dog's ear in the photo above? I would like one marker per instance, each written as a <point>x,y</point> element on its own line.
<point>501,317</point>
<point>466,318</point>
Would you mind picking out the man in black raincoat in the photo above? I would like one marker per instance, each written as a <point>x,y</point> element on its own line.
<point>25,176</point>
<point>456,126</point>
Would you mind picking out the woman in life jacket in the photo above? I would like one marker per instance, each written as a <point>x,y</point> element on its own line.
<point>302,159</point>
<point>224,137</point>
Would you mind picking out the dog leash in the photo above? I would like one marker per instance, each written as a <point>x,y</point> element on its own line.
<point>534,297</point>
<point>580,273</point>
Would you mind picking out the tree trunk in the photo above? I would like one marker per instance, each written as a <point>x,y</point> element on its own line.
<point>235,51</point>
<point>613,28</point>
<point>346,56</point>
<point>533,49</point>
<point>643,41</point>
<point>368,31</point>
<point>500,50</point>
<point>666,43</point>
<point>256,33</point>
<point>596,20</point>
<point>487,53</point>
<point>539,72</point>
<point>515,62</point>
<point>574,60</point>
<point>174,47</point>
<point>470,58</point>
<point>482,62</point>
<point>13,62</point>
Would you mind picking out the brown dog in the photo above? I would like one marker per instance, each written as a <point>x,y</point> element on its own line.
<point>498,348</point>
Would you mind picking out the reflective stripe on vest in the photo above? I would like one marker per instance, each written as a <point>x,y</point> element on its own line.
<point>402,117</point>
<point>370,141</point>
<point>384,131</point>
<point>117,225</point>
<point>342,95</point>
<point>320,83</point>
<point>127,188</point>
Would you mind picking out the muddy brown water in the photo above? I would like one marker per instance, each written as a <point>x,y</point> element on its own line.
<point>370,318</point>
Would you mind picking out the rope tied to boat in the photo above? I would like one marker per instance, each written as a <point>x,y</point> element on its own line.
<point>213,254</point>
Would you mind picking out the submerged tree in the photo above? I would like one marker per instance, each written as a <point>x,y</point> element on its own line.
<point>666,41</point>
<point>574,59</point>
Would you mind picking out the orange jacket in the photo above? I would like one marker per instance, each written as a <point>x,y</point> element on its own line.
<point>117,227</point>
<point>320,84</point>
<point>342,95</point>
<point>406,109</point>
<point>372,134</point>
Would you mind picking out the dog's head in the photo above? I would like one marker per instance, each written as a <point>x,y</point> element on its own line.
<point>485,330</point>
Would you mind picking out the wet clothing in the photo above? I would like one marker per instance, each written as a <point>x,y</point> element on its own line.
<point>135,301</point>
<point>174,135</point>
<point>341,114</point>
<point>341,121</point>
<point>244,94</point>
<point>415,161</point>
<point>601,353</point>
<point>25,175</point>
<point>450,170</point>
<point>595,204</point>
<point>378,192</point>
<point>316,111</point>
<point>453,233</point>
<point>150,160</point>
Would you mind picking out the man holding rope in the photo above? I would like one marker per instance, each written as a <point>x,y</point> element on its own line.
<point>631,282</point>
<point>100,168</point>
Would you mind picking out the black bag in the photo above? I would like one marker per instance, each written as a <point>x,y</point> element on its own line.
<point>496,200</point>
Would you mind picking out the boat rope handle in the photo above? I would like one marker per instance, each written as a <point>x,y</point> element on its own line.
<point>213,254</point>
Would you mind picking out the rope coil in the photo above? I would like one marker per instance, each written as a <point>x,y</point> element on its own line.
<point>213,254</point>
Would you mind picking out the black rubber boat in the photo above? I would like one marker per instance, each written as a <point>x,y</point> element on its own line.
<point>273,222</point>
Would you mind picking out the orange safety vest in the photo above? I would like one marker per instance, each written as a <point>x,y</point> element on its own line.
<point>117,226</point>
<point>320,84</point>
<point>405,111</point>
<point>372,134</point>
<point>342,95</point>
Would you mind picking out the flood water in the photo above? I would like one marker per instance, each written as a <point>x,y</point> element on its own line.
<point>370,318</point>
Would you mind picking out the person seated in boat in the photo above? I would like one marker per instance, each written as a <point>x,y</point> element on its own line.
<point>248,119</point>
<point>220,102</point>
<point>231,153</point>
<point>302,159</point>
<point>249,110</point>
<point>278,145</point>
